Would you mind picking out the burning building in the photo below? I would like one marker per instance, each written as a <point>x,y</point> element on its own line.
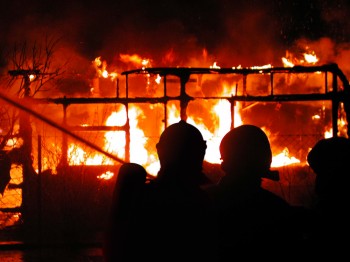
<point>78,143</point>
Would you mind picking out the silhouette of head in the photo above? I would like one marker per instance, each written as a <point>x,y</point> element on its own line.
<point>329,159</point>
<point>131,175</point>
<point>246,149</point>
<point>181,147</point>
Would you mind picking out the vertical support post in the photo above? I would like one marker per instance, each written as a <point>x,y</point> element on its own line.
<point>184,98</point>
<point>165,103</point>
<point>232,109</point>
<point>64,158</point>
<point>335,106</point>
<point>271,80</point>
<point>127,125</point>
<point>39,192</point>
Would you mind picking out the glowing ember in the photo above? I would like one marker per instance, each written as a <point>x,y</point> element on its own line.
<point>106,176</point>
<point>261,67</point>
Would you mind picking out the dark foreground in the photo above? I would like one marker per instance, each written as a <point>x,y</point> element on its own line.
<point>17,252</point>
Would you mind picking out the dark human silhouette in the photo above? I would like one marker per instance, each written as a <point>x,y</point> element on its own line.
<point>330,161</point>
<point>127,197</point>
<point>254,223</point>
<point>171,217</point>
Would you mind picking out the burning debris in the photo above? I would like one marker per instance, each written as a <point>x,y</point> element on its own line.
<point>295,104</point>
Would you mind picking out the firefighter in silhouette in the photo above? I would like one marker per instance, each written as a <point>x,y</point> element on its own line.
<point>254,223</point>
<point>172,218</point>
<point>127,197</point>
<point>329,159</point>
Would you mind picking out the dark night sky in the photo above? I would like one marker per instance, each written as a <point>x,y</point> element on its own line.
<point>250,32</point>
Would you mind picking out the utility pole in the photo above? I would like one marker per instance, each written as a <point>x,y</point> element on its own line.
<point>30,188</point>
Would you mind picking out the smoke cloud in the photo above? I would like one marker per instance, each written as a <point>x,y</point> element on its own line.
<point>174,33</point>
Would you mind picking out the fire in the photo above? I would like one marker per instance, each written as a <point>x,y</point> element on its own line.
<point>101,69</point>
<point>283,159</point>
<point>115,142</point>
<point>139,153</point>
<point>215,66</point>
<point>106,176</point>
<point>309,58</point>
<point>31,77</point>
<point>136,60</point>
<point>14,143</point>
<point>262,67</point>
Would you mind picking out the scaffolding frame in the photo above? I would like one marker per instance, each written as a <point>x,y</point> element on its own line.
<point>336,96</point>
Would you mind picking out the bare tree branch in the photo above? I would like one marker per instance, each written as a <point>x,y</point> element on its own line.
<point>29,62</point>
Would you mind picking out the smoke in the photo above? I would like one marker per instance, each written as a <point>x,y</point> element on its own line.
<point>173,33</point>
